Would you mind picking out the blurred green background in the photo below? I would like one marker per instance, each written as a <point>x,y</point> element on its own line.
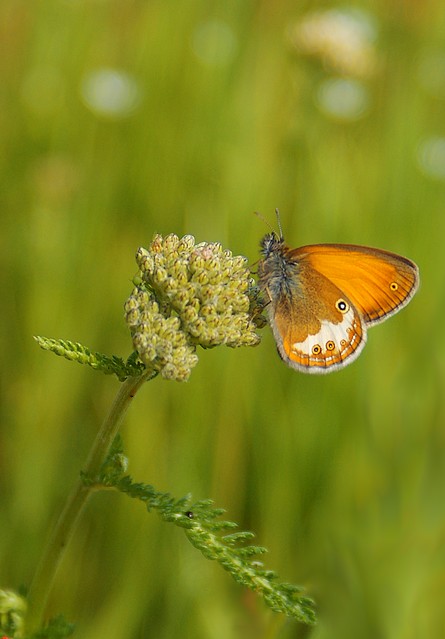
<point>124,118</point>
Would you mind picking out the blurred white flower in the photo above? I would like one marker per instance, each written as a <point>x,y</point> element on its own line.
<point>343,39</point>
<point>214,43</point>
<point>343,99</point>
<point>110,92</point>
<point>431,157</point>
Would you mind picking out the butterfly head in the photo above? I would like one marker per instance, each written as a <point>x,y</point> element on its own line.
<point>270,244</point>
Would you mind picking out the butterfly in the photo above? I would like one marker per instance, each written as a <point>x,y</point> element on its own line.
<point>322,298</point>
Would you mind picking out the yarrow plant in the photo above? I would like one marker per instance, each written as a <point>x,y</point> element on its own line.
<point>185,296</point>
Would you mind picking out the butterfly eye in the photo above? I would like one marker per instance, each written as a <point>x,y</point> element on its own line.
<point>342,306</point>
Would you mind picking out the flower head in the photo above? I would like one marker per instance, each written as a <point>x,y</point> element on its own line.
<point>188,295</point>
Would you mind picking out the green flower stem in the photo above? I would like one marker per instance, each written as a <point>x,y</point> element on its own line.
<point>65,525</point>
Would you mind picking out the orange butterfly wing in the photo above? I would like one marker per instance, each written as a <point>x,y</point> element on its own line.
<point>310,333</point>
<point>377,282</point>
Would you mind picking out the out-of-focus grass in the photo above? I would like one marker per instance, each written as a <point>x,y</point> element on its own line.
<point>342,477</point>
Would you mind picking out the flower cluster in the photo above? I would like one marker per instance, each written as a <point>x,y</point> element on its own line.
<point>187,295</point>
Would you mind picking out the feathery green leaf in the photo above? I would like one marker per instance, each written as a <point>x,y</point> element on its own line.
<point>203,531</point>
<point>57,628</point>
<point>76,352</point>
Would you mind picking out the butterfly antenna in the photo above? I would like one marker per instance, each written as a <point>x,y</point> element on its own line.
<point>263,219</point>
<point>277,213</point>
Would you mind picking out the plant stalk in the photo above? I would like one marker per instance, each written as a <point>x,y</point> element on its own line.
<point>64,527</point>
